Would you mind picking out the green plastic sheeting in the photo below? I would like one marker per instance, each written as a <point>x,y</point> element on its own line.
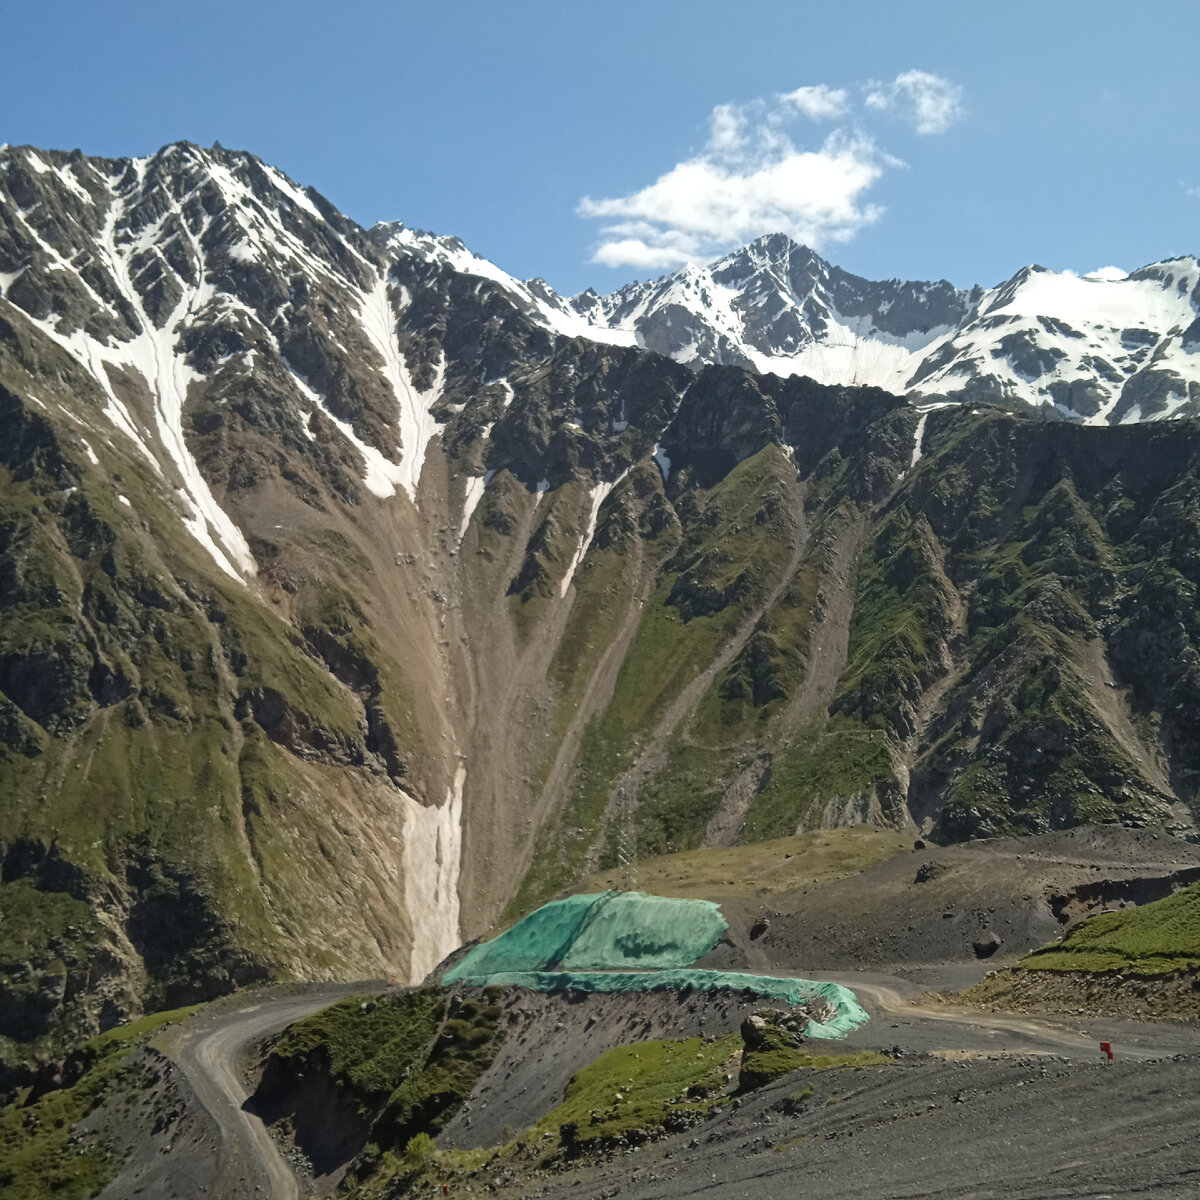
<point>631,929</point>
<point>607,930</point>
<point>631,942</point>
<point>848,1013</point>
<point>533,944</point>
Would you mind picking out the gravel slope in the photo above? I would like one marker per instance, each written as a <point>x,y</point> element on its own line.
<point>1025,1127</point>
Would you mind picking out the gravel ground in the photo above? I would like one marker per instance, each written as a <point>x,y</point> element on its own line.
<point>1019,1127</point>
<point>1025,890</point>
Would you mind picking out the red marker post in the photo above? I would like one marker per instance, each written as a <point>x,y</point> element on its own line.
<point>1107,1050</point>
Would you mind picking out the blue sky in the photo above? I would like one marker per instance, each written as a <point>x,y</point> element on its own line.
<point>592,143</point>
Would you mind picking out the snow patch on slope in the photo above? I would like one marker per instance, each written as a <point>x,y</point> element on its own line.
<point>418,426</point>
<point>599,493</point>
<point>152,354</point>
<point>1042,333</point>
<point>476,486</point>
<point>542,305</point>
<point>1091,301</point>
<point>431,860</point>
<point>381,476</point>
<point>918,439</point>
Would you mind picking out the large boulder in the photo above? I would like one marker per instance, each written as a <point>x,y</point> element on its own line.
<point>986,944</point>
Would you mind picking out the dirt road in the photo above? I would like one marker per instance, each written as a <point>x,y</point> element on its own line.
<point>210,1052</point>
<point>907,1015</point>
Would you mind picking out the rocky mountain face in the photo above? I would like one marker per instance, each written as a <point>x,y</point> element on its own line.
<point>353,593</point>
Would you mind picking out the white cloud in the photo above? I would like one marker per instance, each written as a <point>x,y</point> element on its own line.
<point>727,127</point>
<point>930,102</point>
<point>752,178</point>
<point>819,102</point>
<point>749,179</point>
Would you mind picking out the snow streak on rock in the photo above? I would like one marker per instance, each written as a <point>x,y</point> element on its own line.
<point>476,486</point>
<point>599,493</point>
<point>1101,348</point>
<point>918,438</point>
<point>380,474</point>
<point>154,354</point>
<point>432,860</point>
<point>418,426</point>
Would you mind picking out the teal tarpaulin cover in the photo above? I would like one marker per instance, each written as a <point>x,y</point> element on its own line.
<point>631,942</point>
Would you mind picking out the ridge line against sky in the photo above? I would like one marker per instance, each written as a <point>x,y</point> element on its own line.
<point>587,144</point>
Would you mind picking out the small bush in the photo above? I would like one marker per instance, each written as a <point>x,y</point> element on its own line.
<point>419,1150</point>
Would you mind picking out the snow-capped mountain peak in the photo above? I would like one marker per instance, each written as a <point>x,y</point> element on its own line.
<point>1105,347</point>
<point>1102,347</point>
<point>774,305</point>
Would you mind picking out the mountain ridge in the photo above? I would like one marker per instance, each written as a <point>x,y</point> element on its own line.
<point>347,604</point>
<point>774,305</point>
<point>928,339</point>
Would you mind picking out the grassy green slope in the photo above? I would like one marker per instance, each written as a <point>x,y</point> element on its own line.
<point>991,588</point>
<point>1152,939</point>
<point>734,548</point>
<point>40,1157</point>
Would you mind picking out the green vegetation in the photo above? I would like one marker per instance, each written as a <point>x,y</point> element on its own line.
<point>638,1087</point>
<point>403,1063</point>
<point>630,1093</point>
<point>46,951</point>
<point>731,554</point>
<point>778,1055</point>
<point>733,550</point>
<point>433,1092</point>
<point>900,613</point>
<point>33,922</point>
<point>38,1160</point>
<point>1152,939</point>
<point>836,764</point>
<point>419,1151</point>
<point>365,1046</point>
<point>212,760</point>
<point>676,804</point>
<point>558,527</point>
<point>166,737</point>
<point>603,601</point>
<point>1055,762</point>
<point>771,665</point>
<point>407,1064</point>
<point>743,724</point>
<point>336,626</point>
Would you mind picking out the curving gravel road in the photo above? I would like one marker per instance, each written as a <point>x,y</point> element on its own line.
<point>210,1052</point>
